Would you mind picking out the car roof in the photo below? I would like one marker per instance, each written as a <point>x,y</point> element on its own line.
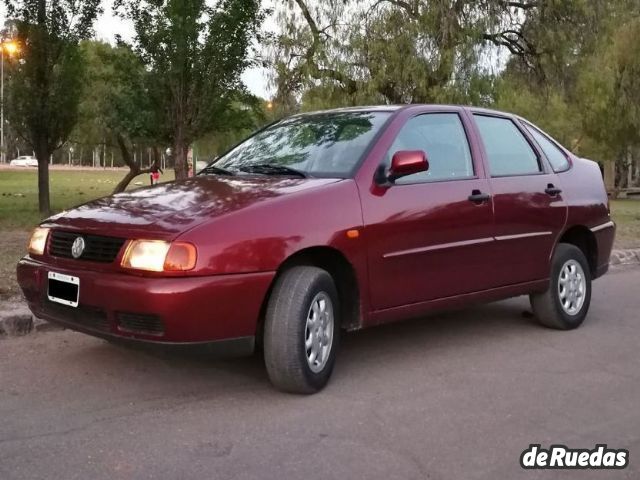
<point>369,108</point>
<point>395,108</point>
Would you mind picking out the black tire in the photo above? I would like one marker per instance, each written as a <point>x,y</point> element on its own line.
<point>547,306</point>
<point>285,353</point>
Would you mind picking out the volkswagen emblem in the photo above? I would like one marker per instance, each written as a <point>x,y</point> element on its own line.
<point>78,247</point>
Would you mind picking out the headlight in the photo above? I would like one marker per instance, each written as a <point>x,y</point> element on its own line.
<point>159,256</point>
<point>38,241</point>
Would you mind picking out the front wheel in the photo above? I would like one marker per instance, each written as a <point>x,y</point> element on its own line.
<point>565,304</point>
<point>302,330</point>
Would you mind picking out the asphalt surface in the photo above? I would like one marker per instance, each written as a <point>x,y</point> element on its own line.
<point>454,396</point>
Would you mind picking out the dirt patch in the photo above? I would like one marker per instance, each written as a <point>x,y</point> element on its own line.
<point>12,247</point>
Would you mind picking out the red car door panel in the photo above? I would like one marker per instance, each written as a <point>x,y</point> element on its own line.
<point>529,210</point>
<point>528,222</point>
<point>426,239</point>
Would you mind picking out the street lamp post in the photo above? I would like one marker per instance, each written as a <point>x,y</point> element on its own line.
<point>2,155</point>
<point>11,48</point>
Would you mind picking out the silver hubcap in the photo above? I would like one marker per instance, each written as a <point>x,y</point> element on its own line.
<point>572,287</point>
<point>318,333</point>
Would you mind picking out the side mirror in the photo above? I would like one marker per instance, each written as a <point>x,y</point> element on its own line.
<point>407,162</point>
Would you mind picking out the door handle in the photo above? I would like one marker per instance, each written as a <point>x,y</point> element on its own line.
<point>552,190</point>
<point>478,197</point>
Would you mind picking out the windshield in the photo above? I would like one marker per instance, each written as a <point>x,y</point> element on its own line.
<point>323,145</point>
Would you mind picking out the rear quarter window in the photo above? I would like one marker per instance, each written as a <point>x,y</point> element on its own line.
<point>554,154</point>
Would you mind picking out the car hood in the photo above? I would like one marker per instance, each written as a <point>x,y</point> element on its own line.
<point>166,210</point>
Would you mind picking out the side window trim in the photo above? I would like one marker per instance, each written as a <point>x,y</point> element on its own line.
<point>542,164</point>
<point>465,129</point>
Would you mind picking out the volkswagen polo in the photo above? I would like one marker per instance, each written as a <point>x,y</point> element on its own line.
<point>331,221</point>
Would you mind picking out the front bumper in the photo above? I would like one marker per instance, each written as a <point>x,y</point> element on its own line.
<point>164,311</point>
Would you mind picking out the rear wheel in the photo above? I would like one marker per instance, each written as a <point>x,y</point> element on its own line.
<point>565,304</point>
<point>302,329</point>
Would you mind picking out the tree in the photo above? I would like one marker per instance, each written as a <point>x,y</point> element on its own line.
<point>246,114</point>
<point>91,131</point>
<point>47,83</point>
<point>118,107</point>
<point>392,51</point>
<point>195,54</point>
<point>609,104</point>
<point>578,93</point>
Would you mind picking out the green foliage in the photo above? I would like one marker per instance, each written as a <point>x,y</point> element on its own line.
<point>194,54</point>
<point>585,92</point>
<point>546,108</point>
<point>46,83</point>
<point>396,51</point>
<point>245,115</point>
<point>626,62</point>
<point>116,99</point>
<point>570,66</point>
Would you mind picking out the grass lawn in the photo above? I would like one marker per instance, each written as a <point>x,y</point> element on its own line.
<point>19,210</point>
<point>19,207</point>
<point>19,192</point>
<point>626,214</point>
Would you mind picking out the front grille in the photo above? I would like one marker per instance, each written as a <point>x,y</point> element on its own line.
<point>83,316</point>
<point>97,248</point>
<point>140,323</point>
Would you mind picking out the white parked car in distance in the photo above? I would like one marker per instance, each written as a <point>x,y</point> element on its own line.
<point>24,161</point>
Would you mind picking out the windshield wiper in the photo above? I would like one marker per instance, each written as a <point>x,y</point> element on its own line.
<point>271,169</point>
<point>213,170</point>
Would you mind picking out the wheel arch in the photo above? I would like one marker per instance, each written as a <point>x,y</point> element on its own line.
<point>583,238</point>
<point>336,263</point>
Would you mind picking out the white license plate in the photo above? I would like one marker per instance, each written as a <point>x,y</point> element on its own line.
<point>63,289</point>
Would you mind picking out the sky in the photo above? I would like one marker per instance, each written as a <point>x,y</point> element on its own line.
<point>107,27</point>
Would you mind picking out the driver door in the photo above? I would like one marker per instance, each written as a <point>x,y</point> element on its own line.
<point>430,234</point>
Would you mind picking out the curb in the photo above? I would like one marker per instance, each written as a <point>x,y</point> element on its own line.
<point>16,320</point>
<point>21,325</point>
<point>625,257</point>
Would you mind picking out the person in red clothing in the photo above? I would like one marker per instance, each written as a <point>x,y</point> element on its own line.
<point>155,173</point>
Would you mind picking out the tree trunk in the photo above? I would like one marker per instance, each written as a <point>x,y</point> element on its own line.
<point>157,157</point>
<point>620,175</point>
<point>629,168</point>
<point>180,155</point>
<point>42,154</point>
<point>610,176</point>
<point>124,183</point>
<point>134,169</point>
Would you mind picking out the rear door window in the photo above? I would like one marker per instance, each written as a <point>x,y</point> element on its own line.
<point>508,151</point>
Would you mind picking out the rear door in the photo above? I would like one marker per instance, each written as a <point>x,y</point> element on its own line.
<point>529,209</point>
<point>427,239</point>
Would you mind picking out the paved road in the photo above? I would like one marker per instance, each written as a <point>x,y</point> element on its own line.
<point>456,396</point>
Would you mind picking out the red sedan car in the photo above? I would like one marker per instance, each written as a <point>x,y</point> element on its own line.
<point>327,221</point>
